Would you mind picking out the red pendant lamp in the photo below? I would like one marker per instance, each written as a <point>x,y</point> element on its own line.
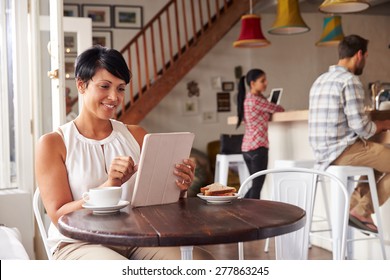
<point>251,35</point>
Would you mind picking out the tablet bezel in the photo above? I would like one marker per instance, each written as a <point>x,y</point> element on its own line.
<point>155,178</point>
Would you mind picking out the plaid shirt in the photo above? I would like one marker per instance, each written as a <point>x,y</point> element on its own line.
<point>257,112</point>
<point>336,114</point>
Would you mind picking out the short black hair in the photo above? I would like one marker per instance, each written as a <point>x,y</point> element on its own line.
<point>350,45</point>
<point>98,57</point>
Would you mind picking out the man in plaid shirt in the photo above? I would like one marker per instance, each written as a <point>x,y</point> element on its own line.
<point>339,127</point>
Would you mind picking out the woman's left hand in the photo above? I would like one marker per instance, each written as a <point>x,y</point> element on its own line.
<point>185,172</point>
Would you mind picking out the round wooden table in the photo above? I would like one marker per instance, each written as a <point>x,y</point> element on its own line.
<point>189,222</point>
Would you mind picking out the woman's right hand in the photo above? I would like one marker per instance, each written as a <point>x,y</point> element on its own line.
<point>121,169</point>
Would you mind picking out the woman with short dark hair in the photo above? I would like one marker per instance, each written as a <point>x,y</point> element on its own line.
<point>93,151</point>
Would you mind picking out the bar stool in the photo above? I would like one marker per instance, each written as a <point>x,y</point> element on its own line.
<point>348,174</point>
<point>222,164</point>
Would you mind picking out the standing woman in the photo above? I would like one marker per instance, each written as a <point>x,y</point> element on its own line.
<point>255,110</point>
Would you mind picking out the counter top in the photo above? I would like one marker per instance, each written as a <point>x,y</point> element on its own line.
<point>290,116</point>
<point>303,115</point>
<point>380,115</point>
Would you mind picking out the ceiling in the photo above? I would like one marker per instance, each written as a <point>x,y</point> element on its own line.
<point>377,7</point>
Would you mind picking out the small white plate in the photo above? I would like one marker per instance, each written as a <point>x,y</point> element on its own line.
<point>106,209</point>
<point>218,199</point>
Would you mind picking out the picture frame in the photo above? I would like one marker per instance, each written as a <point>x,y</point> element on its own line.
<point>216,83</point>
<point>223,102</point>
<point>100,14</point>
<point>69,67</point>
<point>71,10</point>
<point>190,107</point>
<point>130,17</point>
<point>227,86</point>
<point>70,42</point>
<point>102,37</point>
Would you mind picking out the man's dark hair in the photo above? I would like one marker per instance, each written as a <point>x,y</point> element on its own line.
<point>350,45</point>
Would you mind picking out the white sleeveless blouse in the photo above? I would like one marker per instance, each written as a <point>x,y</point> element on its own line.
<point>88,161</point>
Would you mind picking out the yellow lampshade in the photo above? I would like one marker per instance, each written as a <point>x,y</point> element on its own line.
<point>343,6</point>
<point>251,35</point>
<point>332,32</point>
<point>288,20</point>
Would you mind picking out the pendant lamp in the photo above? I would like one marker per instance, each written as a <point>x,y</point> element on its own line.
<point>251,35</point>
<point>343,6</point>
<point>332,32</point>
<point>288,19</point>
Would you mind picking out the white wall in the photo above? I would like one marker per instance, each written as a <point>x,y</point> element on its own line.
<point>16,211</point>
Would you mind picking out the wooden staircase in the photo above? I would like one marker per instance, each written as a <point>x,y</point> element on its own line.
<point>173,42</point>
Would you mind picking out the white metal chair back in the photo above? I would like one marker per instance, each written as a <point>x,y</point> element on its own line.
<point>297,186</point>
<point>38,216</point>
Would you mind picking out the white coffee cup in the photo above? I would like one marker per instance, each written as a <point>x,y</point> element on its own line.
<point>103,196</point>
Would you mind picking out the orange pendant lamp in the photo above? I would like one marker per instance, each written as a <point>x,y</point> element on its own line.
<point>251,35</point>
<point>343,6</point>
<point>332,32</point>
<point>288,20</point>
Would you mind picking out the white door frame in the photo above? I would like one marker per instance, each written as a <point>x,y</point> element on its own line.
<point>58,25</point>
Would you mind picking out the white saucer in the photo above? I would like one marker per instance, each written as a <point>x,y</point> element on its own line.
<point>106,209</point>
<point>218,199</point>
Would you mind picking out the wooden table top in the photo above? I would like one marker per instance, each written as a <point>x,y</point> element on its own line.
<point>188,222</point>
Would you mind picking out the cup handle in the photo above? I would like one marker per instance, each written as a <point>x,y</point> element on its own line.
<point>85,196</point>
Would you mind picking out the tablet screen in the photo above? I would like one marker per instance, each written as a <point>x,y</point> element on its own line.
<point>276,94</point>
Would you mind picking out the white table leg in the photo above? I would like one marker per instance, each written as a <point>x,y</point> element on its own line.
<point>186,252</point>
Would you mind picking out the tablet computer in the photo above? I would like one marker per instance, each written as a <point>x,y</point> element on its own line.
<point>155,182</point>
<point>276,95</point>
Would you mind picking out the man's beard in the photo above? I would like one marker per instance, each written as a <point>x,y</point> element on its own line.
<point>358,71</point>
<point>359,68</point>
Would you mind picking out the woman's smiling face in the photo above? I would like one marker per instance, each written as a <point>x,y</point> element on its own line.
<point>103,94</point>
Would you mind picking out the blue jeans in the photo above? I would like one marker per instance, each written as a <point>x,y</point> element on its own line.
<point>256,160</point>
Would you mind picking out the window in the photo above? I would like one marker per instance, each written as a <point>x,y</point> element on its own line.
<point>15,137</point>
<point>7,137</point>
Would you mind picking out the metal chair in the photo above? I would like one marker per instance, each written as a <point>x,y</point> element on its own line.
<point>42,230</point>
<point>315,219</point>
<point>297,186</point>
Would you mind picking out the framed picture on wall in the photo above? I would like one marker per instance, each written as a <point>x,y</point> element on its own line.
<point>71,10</point>
<point>228,86</point>
<point>100,14</point>
<point>223,101</point>
<point>102,37</point>
<point>128,17</point>
<point>190,107</point>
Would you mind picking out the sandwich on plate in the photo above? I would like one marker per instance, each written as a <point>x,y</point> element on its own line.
<point>217,189</point>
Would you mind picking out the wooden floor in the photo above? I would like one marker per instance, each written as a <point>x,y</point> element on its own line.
<point>254,250</point>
